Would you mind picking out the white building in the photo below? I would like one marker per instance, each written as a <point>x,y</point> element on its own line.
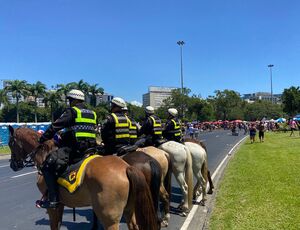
<point>263,96</point>
<point>156,96</point>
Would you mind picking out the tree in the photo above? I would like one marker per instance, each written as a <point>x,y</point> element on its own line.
<point>225,102</point>
<point>291,100</point>
<point>52,99</point>
<point>64,89</point>
<point>18,89</point>
<point>3,97</point>
<point>36,90</point>
<point>94,90</point>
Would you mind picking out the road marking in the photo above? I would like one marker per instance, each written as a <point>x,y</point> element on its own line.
<point>24,174</point>
<point>191,214</point>
<point>2,166</point>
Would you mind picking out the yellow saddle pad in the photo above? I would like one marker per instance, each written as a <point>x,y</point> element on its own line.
<point>72,178</point>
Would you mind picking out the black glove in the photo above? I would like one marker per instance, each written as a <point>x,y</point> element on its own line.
<point>42,139</point>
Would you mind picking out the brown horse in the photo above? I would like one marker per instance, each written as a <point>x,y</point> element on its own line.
<point>110,186</point>
<point>152,172</point>
<point>165,187</point>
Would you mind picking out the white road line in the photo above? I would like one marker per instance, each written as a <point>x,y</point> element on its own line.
<point>191,214</point>
<point>24,174</point>
<point>2,166</point>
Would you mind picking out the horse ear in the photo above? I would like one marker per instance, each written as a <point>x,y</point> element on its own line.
<point>11,130</point>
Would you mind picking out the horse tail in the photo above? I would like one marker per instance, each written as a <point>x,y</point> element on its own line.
<point>155,182</point>
<point>189,176</point>
<point>206,174</point>
<point>168,177</point>
<point>144,210</point>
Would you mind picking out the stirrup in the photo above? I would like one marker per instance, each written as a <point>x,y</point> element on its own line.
<point>46,204</point>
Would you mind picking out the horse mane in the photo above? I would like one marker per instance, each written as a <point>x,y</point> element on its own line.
<point>28,135</point>
<point>196,142</point>
<point>43,150</point>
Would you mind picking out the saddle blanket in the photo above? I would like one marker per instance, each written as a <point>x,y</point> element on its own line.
<point>72,178</point>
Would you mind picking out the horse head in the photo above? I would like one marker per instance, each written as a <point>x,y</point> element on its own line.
<point>21,142</point>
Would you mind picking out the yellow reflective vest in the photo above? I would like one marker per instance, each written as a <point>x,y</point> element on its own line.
<point>85,123</point>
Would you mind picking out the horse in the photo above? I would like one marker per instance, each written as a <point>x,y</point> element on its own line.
<point>126,193</point>
<point>181,163</point>
<point>165,186</point>
<point>152,172</point>
<point>200,168</point>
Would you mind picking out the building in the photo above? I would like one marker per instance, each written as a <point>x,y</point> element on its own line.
<point>156,96</point>
<point>263,96</point>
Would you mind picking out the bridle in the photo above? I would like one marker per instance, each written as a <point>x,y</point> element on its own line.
<point>18,164</point>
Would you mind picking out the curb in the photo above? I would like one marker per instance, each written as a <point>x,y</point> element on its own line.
<point>198,217</point>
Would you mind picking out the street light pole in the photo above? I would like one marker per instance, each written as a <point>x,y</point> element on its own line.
<point>181,43</point>
<point>270,66</point>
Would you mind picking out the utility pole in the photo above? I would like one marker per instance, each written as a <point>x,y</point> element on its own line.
<point>181,43</point>
<point>270,67</point>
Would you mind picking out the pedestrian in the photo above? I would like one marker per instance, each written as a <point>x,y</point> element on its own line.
<point>252,132</point>
<point>292,125</point>
<point>261,131</point>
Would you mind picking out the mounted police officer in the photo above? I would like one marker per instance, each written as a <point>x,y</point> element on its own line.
<point>115,131</point>
<point>172,130</point>
<point>79,134</point>
<point>133,128</point>
<point>151,129</point>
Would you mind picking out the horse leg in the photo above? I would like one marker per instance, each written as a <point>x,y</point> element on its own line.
<point>196,189</point>
<point>164,196</point>
<point>95,222</point>
<point>55,217</point>
<point>211,185</point>
<point>131,220</point>
<point>184,187</point>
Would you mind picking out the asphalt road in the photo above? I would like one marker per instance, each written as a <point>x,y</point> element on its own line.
<point>18,192</point>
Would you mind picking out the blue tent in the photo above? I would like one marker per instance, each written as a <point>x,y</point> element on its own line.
<point>297,117</point>
<point>280,120</point>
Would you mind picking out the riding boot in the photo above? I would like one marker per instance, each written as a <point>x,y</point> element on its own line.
<point>53,199</point>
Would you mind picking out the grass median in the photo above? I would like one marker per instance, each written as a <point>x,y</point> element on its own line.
<point>4,150</point>
<point>261,186</point>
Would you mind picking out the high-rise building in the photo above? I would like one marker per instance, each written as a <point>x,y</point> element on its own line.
<point>156,96</point>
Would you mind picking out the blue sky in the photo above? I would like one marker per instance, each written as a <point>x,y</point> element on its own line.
<point>126,46</point>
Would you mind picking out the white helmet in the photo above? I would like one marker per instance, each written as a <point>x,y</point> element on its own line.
<point>76,94</point>
<point>149,110</point>
<point>173,112</point>
<point>118,102</point>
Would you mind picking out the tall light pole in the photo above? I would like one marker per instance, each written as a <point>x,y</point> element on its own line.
<point>270,67</point>
<point>181,43</point>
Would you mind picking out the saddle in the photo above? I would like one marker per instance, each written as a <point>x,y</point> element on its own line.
<point>72,177</point>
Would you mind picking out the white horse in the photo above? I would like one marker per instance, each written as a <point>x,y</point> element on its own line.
<point>200,168</point>
<point>181,162</point>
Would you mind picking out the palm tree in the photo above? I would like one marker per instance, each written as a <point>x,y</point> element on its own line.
<point>36,90</point>
<point>94,90</point>
<point>3,97</point>
<point>64,89</point>
<point>18,89</point>
<point>52,99</point>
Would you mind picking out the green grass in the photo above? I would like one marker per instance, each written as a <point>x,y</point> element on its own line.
<point>261,186</point>
<point>4,150</point>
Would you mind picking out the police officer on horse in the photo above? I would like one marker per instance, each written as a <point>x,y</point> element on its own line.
<point>172,130</point>
<point>79,134</point>
<point>151,129</point>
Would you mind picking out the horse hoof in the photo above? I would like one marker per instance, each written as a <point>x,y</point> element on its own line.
<point>183,214</point>
<point>164,224</point>
<point>210,191</point>
<point>202,202</point>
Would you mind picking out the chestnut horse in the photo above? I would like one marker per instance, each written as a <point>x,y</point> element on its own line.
<point>110,186</point>
<point>165,186</point>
